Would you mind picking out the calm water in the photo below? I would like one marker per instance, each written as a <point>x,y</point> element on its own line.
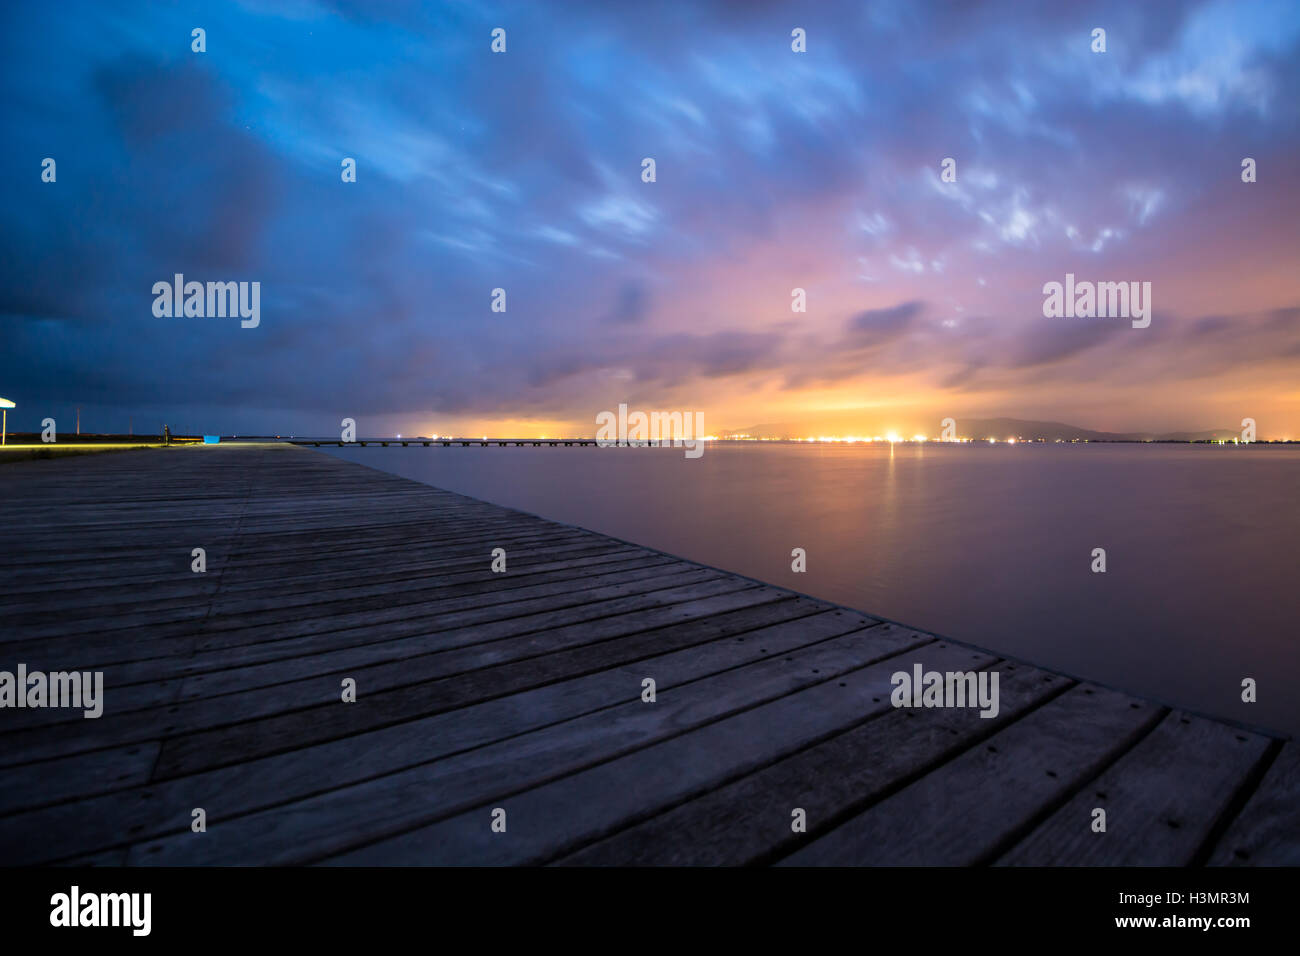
<point>986,544</point>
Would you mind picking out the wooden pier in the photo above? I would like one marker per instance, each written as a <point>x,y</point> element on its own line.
<point>484,696</point>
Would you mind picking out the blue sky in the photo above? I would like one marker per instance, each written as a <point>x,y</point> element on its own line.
<point>775,170</point>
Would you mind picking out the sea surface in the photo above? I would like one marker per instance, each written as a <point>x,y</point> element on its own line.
<point>988,544</point>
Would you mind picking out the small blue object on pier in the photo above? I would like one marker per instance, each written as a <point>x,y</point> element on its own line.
<point>211,439</point>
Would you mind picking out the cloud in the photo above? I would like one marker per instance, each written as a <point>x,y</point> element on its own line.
<point>631,306</point>
<point>875,326</point>
<point>522,171</point>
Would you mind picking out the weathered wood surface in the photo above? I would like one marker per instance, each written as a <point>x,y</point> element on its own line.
<point>523,691</point>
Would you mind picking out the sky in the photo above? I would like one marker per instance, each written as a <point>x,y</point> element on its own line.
<point>775,170</point>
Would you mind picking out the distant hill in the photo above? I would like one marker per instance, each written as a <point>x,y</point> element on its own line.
<point>1051,431</point>
<point>1002,428</point>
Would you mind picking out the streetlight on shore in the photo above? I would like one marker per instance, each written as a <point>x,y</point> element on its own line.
<point>4,417</point>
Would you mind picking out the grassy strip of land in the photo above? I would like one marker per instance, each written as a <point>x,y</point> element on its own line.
<point>12,453</point>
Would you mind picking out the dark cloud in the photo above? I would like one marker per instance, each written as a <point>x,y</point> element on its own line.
<point>875,326</point>
<point>632,304</point>
<point>1056,339</point>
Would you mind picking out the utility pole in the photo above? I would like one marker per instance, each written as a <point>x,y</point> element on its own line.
<point>78,419</point>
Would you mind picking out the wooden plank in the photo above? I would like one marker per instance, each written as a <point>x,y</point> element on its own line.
<point>1267,832</point>
<point>488,623</point>
<point>297,603</point>
<point>444,627</point>
<point>56,781</point>
<point>547,820</point>
<point>316,694</point>
<point>967,809</point>
<point>476,592</point>
<point>174,580</point>
<point>1162,800</point>
<point>660,580</point>
<point>343,818</point>
<point>731,641</point>
<point>62,732</point>
<point>749,820</point>
<point>149,658</point>
<point>206,749</point>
